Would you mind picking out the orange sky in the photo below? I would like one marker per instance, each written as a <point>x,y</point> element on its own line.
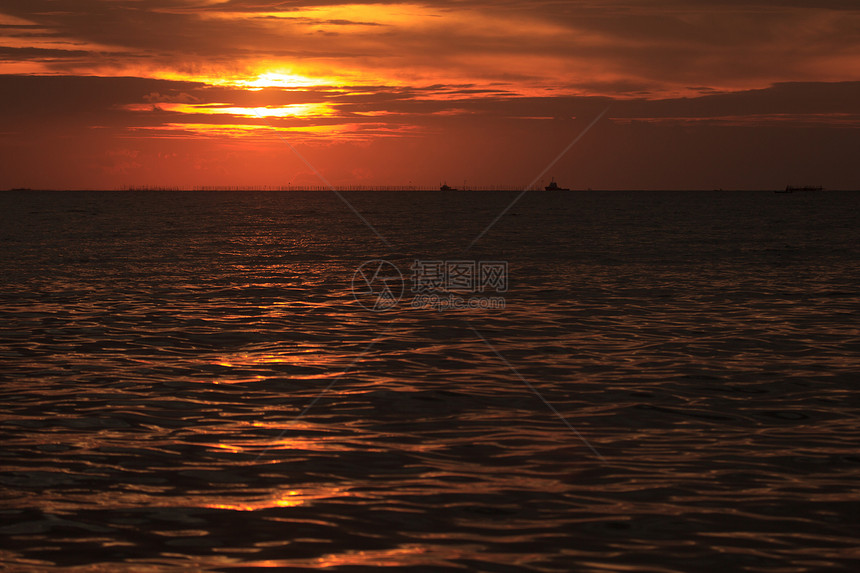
<point>716,93</point>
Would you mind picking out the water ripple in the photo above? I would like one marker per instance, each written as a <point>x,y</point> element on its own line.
<point>157,373</point>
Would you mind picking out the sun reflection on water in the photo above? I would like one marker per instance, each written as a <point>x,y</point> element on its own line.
<point>298,357</point>
<point>283,498</point>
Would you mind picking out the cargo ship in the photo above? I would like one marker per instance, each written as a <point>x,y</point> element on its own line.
<point>791,189</point>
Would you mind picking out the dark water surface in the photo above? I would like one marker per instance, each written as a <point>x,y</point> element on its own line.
<point>161,354</point>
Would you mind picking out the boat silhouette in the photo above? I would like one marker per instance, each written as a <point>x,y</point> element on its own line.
<point>553,186</point>
<point>792,189</point>
<point>446,187</point>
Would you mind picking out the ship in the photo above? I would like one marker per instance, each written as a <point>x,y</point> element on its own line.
<point>553,186</point>
<point>791,189</point>
<point>446,187</point>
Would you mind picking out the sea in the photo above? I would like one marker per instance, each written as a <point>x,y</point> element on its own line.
<point>603,381</point>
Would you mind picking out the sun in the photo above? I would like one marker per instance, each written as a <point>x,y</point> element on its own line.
<point>284,81</point>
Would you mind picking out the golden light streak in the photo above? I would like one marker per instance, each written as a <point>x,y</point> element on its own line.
<point>286,498</point>
<point>256,76</point>
<point>342,14</point>
<point>357,20</point>
<point>307,357</point>
<point>301,110</point>
<point>195,130</point>
<point>283,80</point>
<point>332,133</point>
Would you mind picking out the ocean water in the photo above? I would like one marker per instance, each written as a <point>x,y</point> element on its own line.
<point>188,380</point>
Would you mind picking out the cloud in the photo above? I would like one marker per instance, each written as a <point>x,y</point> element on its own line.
<point>130,103</point>
<point>174,97</point>
<point>625,49</point>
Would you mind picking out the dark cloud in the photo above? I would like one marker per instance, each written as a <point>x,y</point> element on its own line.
<point>19,54</point>
<point>31,96</point>
<point>28,98</point>
<point>576,46</point>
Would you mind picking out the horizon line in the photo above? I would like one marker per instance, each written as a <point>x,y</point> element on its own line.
<point>386,188</point>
